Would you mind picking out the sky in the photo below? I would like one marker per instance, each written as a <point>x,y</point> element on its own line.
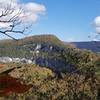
<point>69,20</point>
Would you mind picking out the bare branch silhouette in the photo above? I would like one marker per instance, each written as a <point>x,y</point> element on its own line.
<point>12,20</point>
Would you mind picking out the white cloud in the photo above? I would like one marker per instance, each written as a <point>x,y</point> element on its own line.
<point>96,24</point>
<point>97,29</point>
<point>33,10</point>
<point>30,11</point>
<point>34,7</point>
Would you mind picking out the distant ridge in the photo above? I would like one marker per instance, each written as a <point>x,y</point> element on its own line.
<point>44,38</point>
<point>90,45</point>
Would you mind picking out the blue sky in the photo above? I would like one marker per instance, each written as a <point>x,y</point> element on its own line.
<point>69,20</point>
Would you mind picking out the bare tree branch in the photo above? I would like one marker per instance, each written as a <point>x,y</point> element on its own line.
<point>8,35</point>
<point>13,19</point>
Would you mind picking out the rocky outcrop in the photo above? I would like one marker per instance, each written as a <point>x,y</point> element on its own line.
<point>45,51</point>
<point>49,55</point>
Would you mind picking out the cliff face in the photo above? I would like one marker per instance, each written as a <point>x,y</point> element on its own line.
<point>49,55</point>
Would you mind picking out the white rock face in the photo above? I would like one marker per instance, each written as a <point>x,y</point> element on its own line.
<point>37,52</point>
<point>29,62</point>
<point>34,62</point>
<point>51,47</point>
<point>38,47</point>
<point>16,60</point>
<point>24,60</point>
<point>5,59</point>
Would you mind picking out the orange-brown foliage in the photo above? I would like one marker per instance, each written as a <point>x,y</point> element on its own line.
<point>9,85</point>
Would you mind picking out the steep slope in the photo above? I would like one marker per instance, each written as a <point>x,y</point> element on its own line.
<point>46,51</point>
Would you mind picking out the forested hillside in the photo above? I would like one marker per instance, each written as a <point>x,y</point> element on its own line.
<point>60,72</point>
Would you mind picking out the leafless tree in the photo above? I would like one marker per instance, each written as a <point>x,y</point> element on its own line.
<point>12,20</point>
